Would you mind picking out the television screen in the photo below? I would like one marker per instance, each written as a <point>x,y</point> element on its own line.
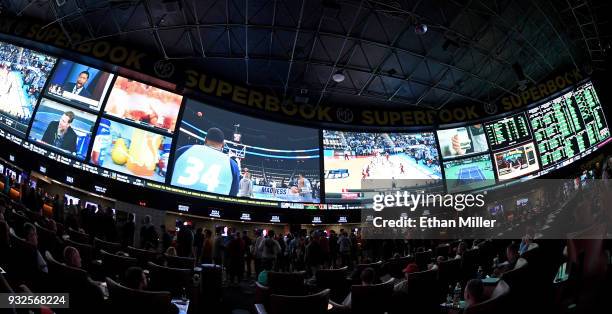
<point>79,84</point>
<point>568,125</point>
<point>508,131</point>
<point>469,173</point>
<point>222,152</point>
<point>23,73</point>
<point>63,128</point>
<point>462,141</point>
<point>144,104</point>
<point>357,161</point>
<point>516,162</point>
<point>130,150</point>
<point>68,198</point>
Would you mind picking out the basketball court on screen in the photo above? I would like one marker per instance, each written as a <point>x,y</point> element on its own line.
<point>379,168</point>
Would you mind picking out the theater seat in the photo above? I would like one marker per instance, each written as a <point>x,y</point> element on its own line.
<point>126,300</point>
<point>334,280</point>
<point>85,295</point>
<point>170,279</point>
<point>394,266</point>
<point>287,283</point>
<point>356,275</point>
<point>143,256</point>
<point>497,303</point>
<point>309,304</point>
<point>421,295</point>
<point>115,265</point>
<point>180,262</point>
<point>110,247</point>
<point>48,240</point>
<point>78,236</point>
<point>374,299</point>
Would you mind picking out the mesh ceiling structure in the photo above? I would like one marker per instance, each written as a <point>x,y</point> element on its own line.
<point>470,52</point>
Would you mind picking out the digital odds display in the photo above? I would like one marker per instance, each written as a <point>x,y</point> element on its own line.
<point>469,173</point>
<point>130,150</point>
<point>353,160</point>
<point>63,128</point>
<point>23,74</point>
<point>78,84</point>
<point>144,104</point>
<point>462,141</point>
<point>568,125</point>
<point>222,152</point>
<point>508,131</point>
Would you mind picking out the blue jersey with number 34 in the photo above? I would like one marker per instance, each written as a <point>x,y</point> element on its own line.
<point>206,169</point>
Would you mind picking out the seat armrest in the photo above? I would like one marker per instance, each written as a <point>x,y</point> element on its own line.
<point>260,309</point>
<point>261,293</point>
<point>338,308</point>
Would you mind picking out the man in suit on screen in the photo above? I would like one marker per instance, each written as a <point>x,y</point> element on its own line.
<point>78,87</point>
<point>60,133</point>
<point>206,167</point>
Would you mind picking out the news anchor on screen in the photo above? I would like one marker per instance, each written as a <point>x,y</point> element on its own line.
<point>60,133</point>
<point>206,168</point>
<point>78,87</point>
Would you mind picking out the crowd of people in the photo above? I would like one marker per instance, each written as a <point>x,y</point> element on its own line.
<point>32,69</point>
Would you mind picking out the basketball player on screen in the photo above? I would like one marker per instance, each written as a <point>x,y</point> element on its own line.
<point>304,188</point>
<point>206,167</point>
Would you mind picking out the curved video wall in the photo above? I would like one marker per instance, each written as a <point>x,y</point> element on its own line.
<point>133,132</point>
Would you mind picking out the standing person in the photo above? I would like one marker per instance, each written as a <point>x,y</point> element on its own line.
<point>248,252</point>
<point>269,249</point>
<point>304,187</point>
<point>207,248</point>
<point>198,243</point>
<point>148,234</point>
<point>127,231</point>
<point>218,248</point>
<point>344,248</point>
<point>166,238</point>
<point>314,254</point>
<point>235,253</point>
<point>257,250</point>
<point>184,242</point>
<point>333,248</point>
<point>58,209</point>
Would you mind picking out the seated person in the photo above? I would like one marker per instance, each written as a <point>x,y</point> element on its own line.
<point>474,292</point>
<point>31,237</point>
<point>136,279</point>
<point>436,264</point>
<point>402,286</point>
<point>512,257</point>
<point>367,279</point>
<point>72,257</point>
<point>262,278</point>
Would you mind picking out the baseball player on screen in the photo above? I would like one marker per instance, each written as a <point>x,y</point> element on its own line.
<point>206,168</point>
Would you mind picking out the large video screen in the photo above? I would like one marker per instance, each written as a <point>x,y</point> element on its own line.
<point>130,150</point>
<point>354,160</point>
<point>63,128</point>
<point>79,84</point>
<point>222,152</point>
<point>469,173</point>
<point>143,104</point>
<point>516,162</point>
<point>23,73</point>
<point>508,131</point>
<point>568,125</point>
<point>462,141</point>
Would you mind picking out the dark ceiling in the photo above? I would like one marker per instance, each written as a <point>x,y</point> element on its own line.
<point>293,47</point>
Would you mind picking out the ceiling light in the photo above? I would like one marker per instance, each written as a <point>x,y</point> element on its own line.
<point>420,29</point>
<point>338,77</point>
